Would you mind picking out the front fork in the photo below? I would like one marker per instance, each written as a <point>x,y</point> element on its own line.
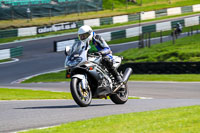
<point>84,82</point>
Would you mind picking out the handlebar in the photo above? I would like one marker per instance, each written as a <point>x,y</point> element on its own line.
<point>95,54</point>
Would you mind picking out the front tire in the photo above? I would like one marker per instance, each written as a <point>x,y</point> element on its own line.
<point>82,97</point>
<point>121,96</point>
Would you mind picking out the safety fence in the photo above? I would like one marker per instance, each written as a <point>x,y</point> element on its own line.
<point>163,67</point>
<point>109,20</point>
<point>11,53</point>
<point>28,9</point>
<point>136,31</point>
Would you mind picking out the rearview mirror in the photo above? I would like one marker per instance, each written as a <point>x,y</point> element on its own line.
<point>67,49</point>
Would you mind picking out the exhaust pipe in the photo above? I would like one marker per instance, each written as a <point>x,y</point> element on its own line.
<point>127,74</point>
<point>125,78</point>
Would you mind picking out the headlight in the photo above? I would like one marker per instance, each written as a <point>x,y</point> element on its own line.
<point>73,62</point>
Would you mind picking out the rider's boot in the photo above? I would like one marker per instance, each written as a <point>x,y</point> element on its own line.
<point>108,63</point>
<point>116,75</point>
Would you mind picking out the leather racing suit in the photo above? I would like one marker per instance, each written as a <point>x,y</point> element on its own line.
<point>98,44</point>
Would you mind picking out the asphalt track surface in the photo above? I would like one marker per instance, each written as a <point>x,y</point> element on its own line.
<point>39,57</point>
<point>22,115</point>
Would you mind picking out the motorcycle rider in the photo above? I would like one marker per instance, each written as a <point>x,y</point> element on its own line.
<point>179,28</point>
<point>99,45</point>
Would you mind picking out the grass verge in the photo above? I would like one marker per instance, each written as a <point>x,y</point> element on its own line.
<point>49,77</point>
<point>173,120</point>
<point>184,50</point>
<point>6,60</point>
<point>60,77</point>
<point>22,94</point>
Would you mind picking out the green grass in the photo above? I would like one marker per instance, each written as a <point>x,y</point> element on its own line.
<point>184,50</point>
<point>119,9</point>
<point>173,120</point>
<point>60,77</point>
<point>6,60</point>
<point>22,94</point>
<point>49,77</point>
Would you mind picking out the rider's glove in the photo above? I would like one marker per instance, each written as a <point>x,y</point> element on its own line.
<point>98,53</point>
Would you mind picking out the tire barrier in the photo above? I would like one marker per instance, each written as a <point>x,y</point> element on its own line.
<point>11,53</point>
<point>163,67</point>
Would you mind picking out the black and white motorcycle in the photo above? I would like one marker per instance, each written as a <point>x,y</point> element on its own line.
<point>90,79</point>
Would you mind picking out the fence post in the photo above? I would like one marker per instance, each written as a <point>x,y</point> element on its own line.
<point>49,13</point>
<point>145,40</point>
<point>28,12</point>
<point>161,39</point>
<point>149,40</point>
<point>78,7</point>
<point>66,8</point>
<point>139,41</point>
<point>142,40</point>
<point>191,30</point>
<point>173,36</point>
<point>31,15</point>
<point>12,13</point>
<point>96,7</point>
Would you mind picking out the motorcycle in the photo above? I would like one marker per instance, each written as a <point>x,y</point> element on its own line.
<point>90,79</point>
<point>176,32</point>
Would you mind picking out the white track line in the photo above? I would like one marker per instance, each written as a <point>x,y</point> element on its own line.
<point>140,97</point>
<point>25,78</point>
<point>13,60</point>
<point>35,129</point>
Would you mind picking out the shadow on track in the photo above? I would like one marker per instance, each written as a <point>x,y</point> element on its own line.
<point>65,106</point>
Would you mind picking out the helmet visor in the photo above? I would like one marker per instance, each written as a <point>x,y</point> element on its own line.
<point>84,36</point>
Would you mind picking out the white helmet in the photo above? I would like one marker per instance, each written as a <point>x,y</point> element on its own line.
<point>85,33</point>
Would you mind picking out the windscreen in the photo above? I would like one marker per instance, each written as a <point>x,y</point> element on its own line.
<point>77,48</point>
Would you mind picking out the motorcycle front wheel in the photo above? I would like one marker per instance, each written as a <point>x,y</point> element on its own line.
<point>82,97</point>
<point>121,96</point>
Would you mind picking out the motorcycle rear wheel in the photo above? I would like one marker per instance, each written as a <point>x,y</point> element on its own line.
<point>121,96</point>
<point>82,97</point>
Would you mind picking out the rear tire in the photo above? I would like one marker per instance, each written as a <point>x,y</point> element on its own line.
<point>82,97</point>
<point>121,96</point>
